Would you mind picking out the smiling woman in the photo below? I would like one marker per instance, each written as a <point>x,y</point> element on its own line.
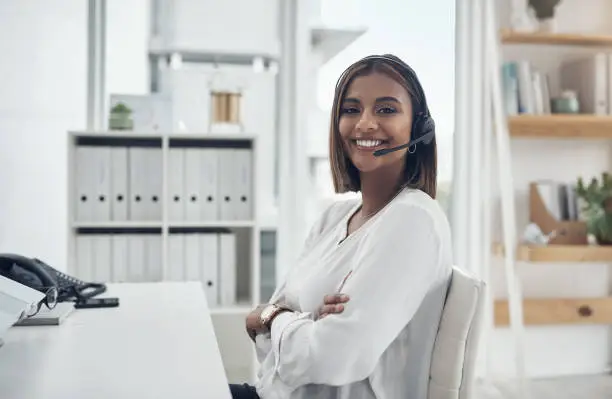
<point>377,107</point>
<point>357,315</point>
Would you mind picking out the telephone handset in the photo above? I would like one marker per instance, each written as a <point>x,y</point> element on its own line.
<point>38,275</point>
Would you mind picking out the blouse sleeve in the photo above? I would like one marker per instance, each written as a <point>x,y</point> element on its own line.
<point>262,341</point>
<point>396,265</point>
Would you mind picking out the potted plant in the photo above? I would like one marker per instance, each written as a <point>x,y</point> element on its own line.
<point>596,198</point>
<point>120,117</point>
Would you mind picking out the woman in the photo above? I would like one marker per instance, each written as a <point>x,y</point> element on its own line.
<point>358,314</point>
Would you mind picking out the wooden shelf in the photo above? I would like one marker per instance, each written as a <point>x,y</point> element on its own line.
<point>557,39</point>
<point>557,311</point>
<point>560,253</point>
<point>560,126</point>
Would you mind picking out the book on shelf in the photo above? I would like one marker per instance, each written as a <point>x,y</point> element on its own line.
<point>526,88</point>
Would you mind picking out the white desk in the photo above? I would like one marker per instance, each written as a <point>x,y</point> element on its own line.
<point>159,343</point>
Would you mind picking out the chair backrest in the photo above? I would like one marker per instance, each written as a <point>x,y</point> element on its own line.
<point>453,360</point>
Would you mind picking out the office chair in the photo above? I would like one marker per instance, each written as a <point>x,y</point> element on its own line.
<point>454,354</point>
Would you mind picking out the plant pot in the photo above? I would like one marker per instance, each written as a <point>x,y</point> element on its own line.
<point>120,121</point>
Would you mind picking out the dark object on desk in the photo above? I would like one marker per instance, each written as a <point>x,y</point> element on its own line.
<point>41,277</point>
<point>97,303</point>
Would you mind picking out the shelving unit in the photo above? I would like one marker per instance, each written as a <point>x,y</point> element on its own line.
<point>560,253</point>
<point>112,239</point>
<point>558,311</point>
<point>557,126</point>
<point>557,39</point>
<point>555,311</point>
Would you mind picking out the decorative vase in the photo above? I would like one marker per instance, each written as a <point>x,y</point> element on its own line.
<point>567,103</point>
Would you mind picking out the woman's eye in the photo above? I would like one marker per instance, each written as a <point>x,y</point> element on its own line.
<point>386,110</point>
<point>349,110</point>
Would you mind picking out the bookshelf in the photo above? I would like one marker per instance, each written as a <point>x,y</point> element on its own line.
<point>558,39</point>
<point>559,126</point>
<point>545,125</point>
<point>555,311</point>
<point>112,239</point>
<point>560,253</point>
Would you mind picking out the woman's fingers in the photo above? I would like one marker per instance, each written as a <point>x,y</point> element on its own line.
<point>330,309</point>
<point>333,304</point>
<point>335,298</point>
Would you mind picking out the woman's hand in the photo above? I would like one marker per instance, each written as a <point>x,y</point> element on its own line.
<point>332,304</point>
<point>253,322</point>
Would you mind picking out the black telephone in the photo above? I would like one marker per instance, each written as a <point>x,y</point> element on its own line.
<point>38,275</point>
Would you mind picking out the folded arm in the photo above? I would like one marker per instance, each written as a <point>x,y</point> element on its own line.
<point>394,269</point>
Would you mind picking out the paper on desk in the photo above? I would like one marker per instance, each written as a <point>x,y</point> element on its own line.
<point>14,299</point>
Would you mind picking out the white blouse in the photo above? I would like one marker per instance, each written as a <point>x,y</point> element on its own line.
<point>395,269</point>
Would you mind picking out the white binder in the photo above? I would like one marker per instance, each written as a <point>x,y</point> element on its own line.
<point>209,167</point>
<point>192,257</point>
<point>176,258</point>
<point>101,257</point>
<point>138,183</point>
<point>176,199</point>
<point>84,257</point>
<point>153,258</point>
<point>193,188</point>
<point>227,269</point>
<point>153,184</point>
<point>84,185</point>
<point>209,267</point>
<point>101,176</point>
<point>242,184</point>
<point>137,250</point>
<point>119,184</point>
<point>119,270</point>
<point>226,184</point>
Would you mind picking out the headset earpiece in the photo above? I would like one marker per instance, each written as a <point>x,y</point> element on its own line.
<point>423,125</point>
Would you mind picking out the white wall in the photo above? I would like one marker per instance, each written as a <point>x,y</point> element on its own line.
<point>127,43</point>
<point>43,69</point>
<point>557,350</point>
<point>44,93</point>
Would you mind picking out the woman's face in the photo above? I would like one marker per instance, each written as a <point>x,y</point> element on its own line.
<point>375,113</point>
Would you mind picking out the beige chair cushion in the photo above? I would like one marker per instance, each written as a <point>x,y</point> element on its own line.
<point>454,354</point>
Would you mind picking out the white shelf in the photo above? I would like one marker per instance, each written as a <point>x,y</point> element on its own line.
<point>221,56</point>
<point>230,224</point>
<point>116,225</point>
<point>128,134</point>
<point>221,224</point>
<point>330,40</point>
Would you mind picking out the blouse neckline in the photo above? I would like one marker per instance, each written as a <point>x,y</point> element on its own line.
<point>352,211</point>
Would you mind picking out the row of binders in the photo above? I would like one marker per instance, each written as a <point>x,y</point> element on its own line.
<point>126,184</point>
<point>209,258</point>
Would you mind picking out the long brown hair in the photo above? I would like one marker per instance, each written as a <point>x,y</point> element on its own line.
<point>421,168</point>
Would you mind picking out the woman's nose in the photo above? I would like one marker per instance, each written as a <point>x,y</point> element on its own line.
<point>366,123</point>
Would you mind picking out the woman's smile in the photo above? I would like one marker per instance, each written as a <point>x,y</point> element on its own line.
<point>369,145</point>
